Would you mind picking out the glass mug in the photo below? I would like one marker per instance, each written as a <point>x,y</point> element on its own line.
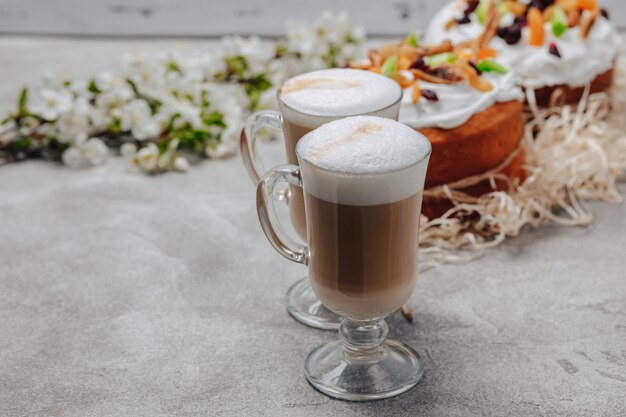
<point>362,234</point>
<point>375,95</point>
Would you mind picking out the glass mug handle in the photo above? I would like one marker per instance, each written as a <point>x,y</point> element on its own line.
<point>249,140</point>
<point>267,187</point>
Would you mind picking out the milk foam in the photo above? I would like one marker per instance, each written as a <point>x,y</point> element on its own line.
<point>363,160</point>
<point>334,93</point>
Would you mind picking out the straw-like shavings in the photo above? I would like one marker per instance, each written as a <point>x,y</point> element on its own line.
<point>574,154</point>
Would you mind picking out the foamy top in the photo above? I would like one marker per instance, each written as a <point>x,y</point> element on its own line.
<point>339,92</point>
<point>363,160</point>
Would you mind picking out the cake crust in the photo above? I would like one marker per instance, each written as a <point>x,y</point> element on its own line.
<point>475,147</point>
<point>572,95</point>
<point>478,146</point>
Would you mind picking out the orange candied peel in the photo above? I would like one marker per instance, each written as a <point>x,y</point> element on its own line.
<point>587,4</point>
<point>484,53</point>
<point>409,63</point>
<point>568,5</point>
<point>536,25</point>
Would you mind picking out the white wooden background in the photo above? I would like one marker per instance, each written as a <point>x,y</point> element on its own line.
<point>205,18</point>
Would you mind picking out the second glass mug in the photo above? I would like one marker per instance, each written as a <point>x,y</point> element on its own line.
<point>301,301</point>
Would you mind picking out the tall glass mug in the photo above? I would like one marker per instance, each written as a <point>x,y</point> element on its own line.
<point>362,179</point>
<point>307,102</point>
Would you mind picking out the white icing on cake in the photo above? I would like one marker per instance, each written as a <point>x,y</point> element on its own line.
<point>457,102</point>
<point>581,60</point>
<point>363,160</point>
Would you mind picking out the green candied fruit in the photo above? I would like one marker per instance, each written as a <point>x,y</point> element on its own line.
<point>558,21</point>
<point>390,66</point>
<point>483,8</point>
<point>488,65</point>
<point>412,39</point>
<point>437,60</point>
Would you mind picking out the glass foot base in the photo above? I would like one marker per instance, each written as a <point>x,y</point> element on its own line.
<point>304,306</point>
<point>389,370</point>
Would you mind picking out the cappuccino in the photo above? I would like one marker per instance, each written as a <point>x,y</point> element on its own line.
<point>310,100</point>
<point>363,179</point>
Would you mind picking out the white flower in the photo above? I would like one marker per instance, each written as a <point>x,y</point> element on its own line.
<point>72,158</point>
<point>100,119</point>
<point>114,98</point>
<point>128,150</point>
<point>85,152</point>
<point>186,111</point>
<point>53,103</point>
<point>300,37</point>
<point>147,157</point>
<point>181,164</point>
<point>74,122</point>
<point>163,162</point>
<point>137,118</point>
<point>94,151</point>
<point>256,52</point>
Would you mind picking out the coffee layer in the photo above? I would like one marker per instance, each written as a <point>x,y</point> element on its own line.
<point>363,260</point>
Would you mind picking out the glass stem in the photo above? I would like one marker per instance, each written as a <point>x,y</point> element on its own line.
<point>363,337</point>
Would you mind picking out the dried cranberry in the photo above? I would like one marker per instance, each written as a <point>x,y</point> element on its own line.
<point>464,20</point>
<point>554,50</point>
<point>430,95</point>
<point>478,71</point>
<point>605,13</point>
<point>540,4</point>
<point>420,64</point>
<point>502,31</point>
<point>472,5</point>
<point>521,20</point>
<point>442,73</point>
<point>513,34</point>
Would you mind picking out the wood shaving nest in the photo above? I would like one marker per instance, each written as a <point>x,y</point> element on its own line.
<point>574,154</point>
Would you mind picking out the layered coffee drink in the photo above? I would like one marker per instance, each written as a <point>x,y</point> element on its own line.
<point>363,179</point>
<point>310,100</point>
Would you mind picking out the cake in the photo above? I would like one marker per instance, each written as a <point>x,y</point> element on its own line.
<point>557,47</point>
<point>472,117</point>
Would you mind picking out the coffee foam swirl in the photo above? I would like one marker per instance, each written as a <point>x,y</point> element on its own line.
<point>316,83</point>
<point>338,92</point>
<point>363,160</point>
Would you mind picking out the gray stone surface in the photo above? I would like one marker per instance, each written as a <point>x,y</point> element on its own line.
<point>125,294</point>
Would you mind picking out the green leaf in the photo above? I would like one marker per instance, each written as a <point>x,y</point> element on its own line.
<point>92,87</point>
<point>255,87</point>
<point>558,21</point>
<point>412,39</point>
<point>488,65</point>
<point>173,66</point>
<point>437,60</point>
<point>22,102</point>
<point>237,65</point>
<point>214,119</point>
<point>170,125</point>
<point>390,66</point>
<point>133,86</point>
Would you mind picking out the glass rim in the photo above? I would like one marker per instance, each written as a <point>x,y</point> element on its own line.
<point>340,116</point>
